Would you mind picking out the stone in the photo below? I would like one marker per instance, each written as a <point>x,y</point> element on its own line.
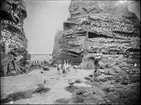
<point>96,27</point>
<point>122,64</point>
<point>27,66</point>
<point>108,66</point>
<point>78,99</point>
<point>78,81</point>
<point>104,77</point>
<point>46,68</point>
<point>41,72</point>
<point>80,92</point>
<point>101,71</point>
<point>13,42</point>
<point>93,92</point>
<point>85,94</point>
<point>13,72</point>
<point>87,78</point>
<point>109,89</point>
<point>125,82</point>
<point>76,67</point>
<point>110,71</point>
<point>87,64</point>
<point>91,75</point>
<point>116,69</point>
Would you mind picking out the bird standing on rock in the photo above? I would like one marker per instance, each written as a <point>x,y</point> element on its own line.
<point>97,65</point>
<point>135,65</point>
<point>71,82</point>
<point>59,67</point>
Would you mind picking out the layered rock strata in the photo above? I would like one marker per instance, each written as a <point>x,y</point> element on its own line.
<point>13,42</point>
<point>105,27</point>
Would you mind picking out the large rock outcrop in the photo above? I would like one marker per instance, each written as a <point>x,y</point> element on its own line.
<point>56,47</point>
<point>105,27</point>
<point>13,42</point>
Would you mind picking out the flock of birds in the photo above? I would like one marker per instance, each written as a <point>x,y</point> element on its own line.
<point>64,67</point>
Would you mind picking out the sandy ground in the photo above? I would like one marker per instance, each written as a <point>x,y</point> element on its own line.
<point>55,80</point>
<point>124,77</point>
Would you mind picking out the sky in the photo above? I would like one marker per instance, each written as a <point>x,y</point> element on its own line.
<point>44,19</point>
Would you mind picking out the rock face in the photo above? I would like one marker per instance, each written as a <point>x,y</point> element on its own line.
<point>56,47</point>
<point>105,27</point>
<point>13,42</point>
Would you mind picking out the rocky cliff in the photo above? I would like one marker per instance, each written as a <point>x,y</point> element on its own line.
<point>105,27</point>
<point>13,42</point>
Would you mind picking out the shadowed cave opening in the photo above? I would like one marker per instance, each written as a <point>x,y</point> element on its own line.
<point>7,16</point>
<point>93,35</point>
<point>69,25</point>
<point>74,53</point>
